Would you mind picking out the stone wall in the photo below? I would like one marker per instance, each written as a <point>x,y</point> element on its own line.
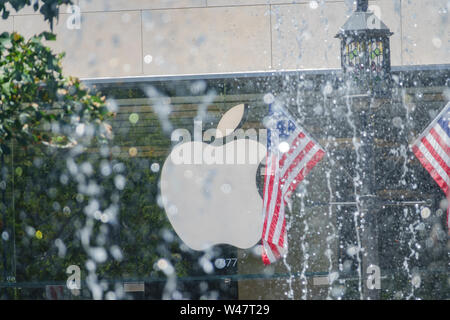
<point>119,38</point>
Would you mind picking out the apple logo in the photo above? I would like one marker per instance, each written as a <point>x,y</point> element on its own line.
<point>209,191</point>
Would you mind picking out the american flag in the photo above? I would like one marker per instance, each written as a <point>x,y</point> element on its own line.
<point>291,154</point>
<point>432,148</point>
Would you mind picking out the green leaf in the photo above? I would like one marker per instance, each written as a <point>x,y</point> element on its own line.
<point>49,36</point>
<point>5,149</point>
<point>6,88</point>
<point>5,14</point>
<point>5,40</point>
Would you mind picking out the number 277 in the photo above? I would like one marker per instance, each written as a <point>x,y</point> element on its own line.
<point>231,262</point>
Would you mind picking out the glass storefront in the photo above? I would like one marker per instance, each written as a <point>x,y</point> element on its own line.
<point>99,207</point>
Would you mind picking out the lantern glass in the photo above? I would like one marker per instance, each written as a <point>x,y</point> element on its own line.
<point>354,56</point>
<point>376,61</point>
<point>365,57</point>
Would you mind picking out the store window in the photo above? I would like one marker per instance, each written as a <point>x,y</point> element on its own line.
<point>86,222</point>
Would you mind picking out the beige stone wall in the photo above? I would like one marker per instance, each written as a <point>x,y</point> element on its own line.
<point>164,37</point>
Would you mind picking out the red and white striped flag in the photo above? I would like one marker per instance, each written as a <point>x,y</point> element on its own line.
<point>432,148</point>
<point>291,154</point>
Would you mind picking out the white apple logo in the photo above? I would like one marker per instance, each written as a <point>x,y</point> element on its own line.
<point>214,198</point>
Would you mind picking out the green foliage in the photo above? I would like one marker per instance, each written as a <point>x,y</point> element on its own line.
<point>34,94</point>
<point>40,111</point>
<point>48,8</point>
<point>49,199</point>
<point>43,207</point>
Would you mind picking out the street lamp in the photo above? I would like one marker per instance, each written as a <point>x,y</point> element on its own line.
<point>366,66</point>
<point>365,51</point>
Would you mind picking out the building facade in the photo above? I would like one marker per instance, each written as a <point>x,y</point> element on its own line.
<point>115,38</point>
<point>197,57</point>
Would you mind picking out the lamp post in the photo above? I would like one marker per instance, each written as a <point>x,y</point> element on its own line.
<point>365,60</point>
<point>365,52</point>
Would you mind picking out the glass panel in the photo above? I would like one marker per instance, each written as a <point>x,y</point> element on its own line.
<point>101,208</point>
<point>376,56</point>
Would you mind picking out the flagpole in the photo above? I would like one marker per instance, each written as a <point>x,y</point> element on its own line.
<point>367,80</point>
<point>368,202</point>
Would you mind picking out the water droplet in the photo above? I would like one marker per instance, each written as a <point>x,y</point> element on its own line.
<point>119,182</point>
<point>333,277</point>
<point>98,254</point>
<point>338,291</point>
<point>148,59</point>
<point>284,147</point>
<point>397,122</point>
<point>61,247</point>
<point>198,87</point>
<point>5,235</point>
<point>313,4</point>
<point>133,118</point>
<point>420,226</point>
<point>112,105</point>
<point>443,204</point>
<point>80,129</point>
<point>437,42</point>
<point>132,151</point>
<point>165,266</point>
<point>351,251</point>
<point>318,110</point>
<point>206,265</point>
<point>155,167</point>
<point>90,265</point>
<point>66,210</point>
<point>268,98</point>
<point>105,168</point>
<point>104,218</point>
<point>97,214</point>
<point>328,89</point>
<point>425,212</point>
<point>220,263</point>
<point>116,253</point>
<point>110,296</point>
<point>173,210</point>
<point>226,188</point>
<point>79,197</point>
<point>416,281</point>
